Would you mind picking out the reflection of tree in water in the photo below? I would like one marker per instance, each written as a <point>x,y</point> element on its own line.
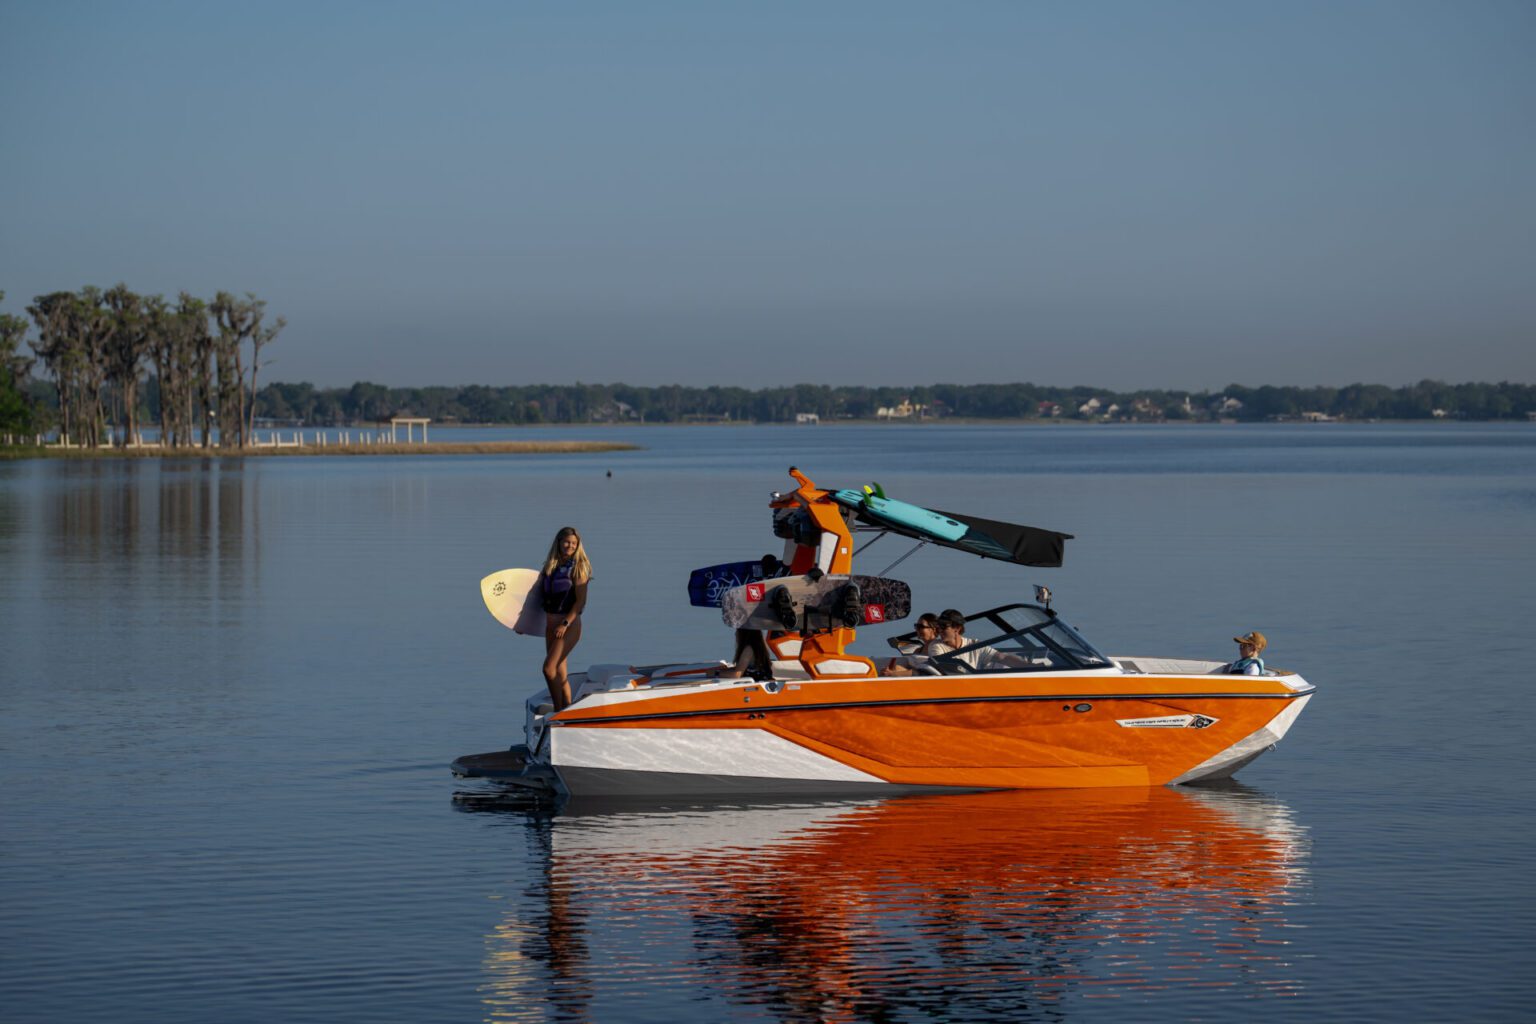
<point>195,520</point>
<point>95,509</point>
<point>1001,906</point>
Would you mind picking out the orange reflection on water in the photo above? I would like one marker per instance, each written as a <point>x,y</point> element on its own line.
<point>993,904</point>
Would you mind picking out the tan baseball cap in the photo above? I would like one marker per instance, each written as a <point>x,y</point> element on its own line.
<point>1255,638</point>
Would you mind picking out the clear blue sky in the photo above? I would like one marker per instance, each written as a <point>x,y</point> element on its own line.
<point>1124,194</point>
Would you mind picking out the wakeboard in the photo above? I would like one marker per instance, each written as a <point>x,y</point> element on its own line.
<point>806,603</point>
<point>707,585</point>
<point>512,596</point>
<point>878,507</point>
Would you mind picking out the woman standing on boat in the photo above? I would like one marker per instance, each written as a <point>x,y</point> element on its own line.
<point>563,589</point>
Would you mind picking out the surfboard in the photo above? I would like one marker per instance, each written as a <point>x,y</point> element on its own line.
<point>512,596</point>
<point>706,585</point>
<point>902,513</point>
<point>796,602</point>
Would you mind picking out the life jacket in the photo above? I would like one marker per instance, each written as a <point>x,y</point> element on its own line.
<point>559,589</point>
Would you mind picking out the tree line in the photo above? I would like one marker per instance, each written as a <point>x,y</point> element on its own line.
<point>114,358</point>
<point>617,403</point>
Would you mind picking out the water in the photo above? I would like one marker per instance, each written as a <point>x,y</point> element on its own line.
<point>229,689</point>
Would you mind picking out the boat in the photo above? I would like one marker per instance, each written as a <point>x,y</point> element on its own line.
<point>1046,711</point>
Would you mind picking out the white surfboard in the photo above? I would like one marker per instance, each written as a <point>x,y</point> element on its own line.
<point>512,596</point>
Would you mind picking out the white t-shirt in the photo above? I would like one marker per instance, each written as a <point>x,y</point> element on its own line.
<point>977,657</point>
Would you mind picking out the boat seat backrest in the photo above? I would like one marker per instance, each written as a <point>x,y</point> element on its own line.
<point>600,679</point>
<point>790,670</point>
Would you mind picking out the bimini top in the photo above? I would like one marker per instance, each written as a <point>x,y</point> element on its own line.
<point>989,538</point>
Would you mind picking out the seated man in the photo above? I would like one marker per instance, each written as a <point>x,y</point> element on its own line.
<point>952,638</point>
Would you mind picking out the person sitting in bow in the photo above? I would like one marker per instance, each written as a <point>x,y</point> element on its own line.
<point>1249,647</point>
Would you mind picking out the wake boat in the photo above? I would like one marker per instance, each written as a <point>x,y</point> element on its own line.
<point>1027,703</point>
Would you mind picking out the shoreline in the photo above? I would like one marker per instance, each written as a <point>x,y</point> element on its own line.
<point>1023,421</point>
<point>10,451</point>
<point>263,451</point>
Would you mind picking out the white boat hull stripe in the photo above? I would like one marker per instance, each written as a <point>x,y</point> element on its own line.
<point>744,752</point>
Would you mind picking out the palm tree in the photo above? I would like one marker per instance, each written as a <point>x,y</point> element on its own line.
<point>59,348</point>
<point>15,410</point>
<point>128,342</point>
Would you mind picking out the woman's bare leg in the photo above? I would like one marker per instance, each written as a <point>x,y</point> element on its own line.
<point>556,650</point>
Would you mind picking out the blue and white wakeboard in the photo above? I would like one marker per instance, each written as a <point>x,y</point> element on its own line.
<point>874,505</point>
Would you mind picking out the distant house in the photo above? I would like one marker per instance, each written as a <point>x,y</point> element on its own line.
<point>1226,406</point>
<point>1089,407</point>
<point>1146,409</point>
<point>614,412</point>
<point>807,417</point>
<point>906,410</point>
<point>1316,417</point>
<point>1047,410</point>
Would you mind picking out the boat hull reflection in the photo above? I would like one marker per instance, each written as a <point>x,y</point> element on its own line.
<point>1000,905</point>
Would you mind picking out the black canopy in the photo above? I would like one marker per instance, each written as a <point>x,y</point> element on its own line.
<point>989,538</point>
<point>1024,545</point>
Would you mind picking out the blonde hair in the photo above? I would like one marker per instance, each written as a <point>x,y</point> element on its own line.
<point>581,567</point>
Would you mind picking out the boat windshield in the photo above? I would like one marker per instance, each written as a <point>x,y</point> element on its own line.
<point>1019,638</point>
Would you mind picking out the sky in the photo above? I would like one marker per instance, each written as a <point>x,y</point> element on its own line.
<point>1121,194</point>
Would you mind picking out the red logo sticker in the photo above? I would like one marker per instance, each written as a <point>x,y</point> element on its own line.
<point>874,613</point>
<point>754,592</point>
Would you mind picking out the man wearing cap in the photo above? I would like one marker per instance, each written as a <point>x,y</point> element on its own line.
<point>981,658</point>
<point>1249,647</point>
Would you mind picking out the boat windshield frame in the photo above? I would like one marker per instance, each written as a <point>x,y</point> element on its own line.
<point>1031,639</point>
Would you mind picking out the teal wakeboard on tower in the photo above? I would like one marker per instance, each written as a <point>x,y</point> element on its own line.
<point>876,506</point>
<point>989,538</point>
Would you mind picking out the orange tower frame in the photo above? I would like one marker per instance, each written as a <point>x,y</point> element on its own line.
<point>823,654</point>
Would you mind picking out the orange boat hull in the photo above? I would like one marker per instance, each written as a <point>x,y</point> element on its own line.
<point>999,732</point>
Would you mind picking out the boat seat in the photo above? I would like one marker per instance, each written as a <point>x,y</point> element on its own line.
<point>603,673</point>
<point>604,677</point>
<point>689,672</point>
<point>785,647</point>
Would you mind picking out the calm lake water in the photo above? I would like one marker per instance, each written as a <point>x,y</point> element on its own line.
<point>229,691</point>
